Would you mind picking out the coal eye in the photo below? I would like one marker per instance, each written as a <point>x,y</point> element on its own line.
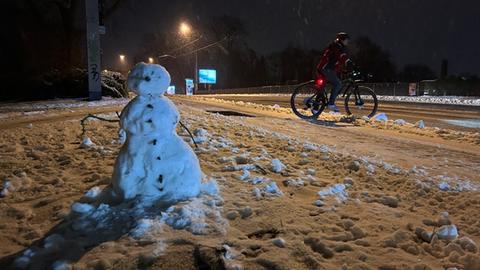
<point>147,78</point>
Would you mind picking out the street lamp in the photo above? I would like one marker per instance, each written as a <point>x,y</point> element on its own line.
<point>123,64</point>
<point>185,31</point>
<point>150,60</point>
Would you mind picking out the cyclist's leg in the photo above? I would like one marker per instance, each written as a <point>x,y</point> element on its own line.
<point>332,77</point>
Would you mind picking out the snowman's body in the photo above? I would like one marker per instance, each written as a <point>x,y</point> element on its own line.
<point>154,163</point>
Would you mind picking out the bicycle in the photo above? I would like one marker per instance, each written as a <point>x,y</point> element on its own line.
<point>309,99</point>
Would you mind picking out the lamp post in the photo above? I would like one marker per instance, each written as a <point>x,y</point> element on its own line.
<point>123,62</point>
<point>185,30</point>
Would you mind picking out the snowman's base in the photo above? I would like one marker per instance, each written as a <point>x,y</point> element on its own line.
<point>91,224</point>
<point>191,214</point>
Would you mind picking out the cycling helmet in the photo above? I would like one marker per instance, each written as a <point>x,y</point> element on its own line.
<point>342,36</point>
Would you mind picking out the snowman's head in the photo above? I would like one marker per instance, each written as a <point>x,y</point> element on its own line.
<point>148,79</point>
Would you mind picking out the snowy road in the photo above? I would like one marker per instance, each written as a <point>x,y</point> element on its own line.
<point>406,150</point>
<point>464,117</point>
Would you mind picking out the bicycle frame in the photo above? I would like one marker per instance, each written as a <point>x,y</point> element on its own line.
<point>347,87</point>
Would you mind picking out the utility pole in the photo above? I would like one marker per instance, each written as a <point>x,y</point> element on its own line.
<point>196,72</point>
<point>93,50</point>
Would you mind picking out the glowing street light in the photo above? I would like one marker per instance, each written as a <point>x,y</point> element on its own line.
<point>185,29</point>
<point>122,57</point>
<point>150,60</point>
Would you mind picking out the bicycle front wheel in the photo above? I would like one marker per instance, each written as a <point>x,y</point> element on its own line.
<point>308,101</point>
<point>360,102</point>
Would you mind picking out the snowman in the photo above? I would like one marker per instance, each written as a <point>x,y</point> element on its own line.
<point>154,163</point>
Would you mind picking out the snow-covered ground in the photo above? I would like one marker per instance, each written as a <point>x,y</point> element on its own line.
<point>291,195</point>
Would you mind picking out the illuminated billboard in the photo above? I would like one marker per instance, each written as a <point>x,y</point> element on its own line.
<point>189,87</point>
<point>171,90</point>
<point>208,76</point>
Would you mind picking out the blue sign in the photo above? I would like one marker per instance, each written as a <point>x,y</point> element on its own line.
<point>189,87</point>
<point>208,76</point>
<point>171,90</point>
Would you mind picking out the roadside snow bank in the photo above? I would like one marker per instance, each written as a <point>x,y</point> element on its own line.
<point>449,100</point>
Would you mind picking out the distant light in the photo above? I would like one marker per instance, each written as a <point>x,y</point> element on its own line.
<point>105,70</point>
<point>122,57</point>
<point>185,29</point>
<point>150,60</point>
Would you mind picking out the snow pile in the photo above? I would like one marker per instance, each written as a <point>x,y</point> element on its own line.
<point>324,149</point>
<point>33,112</point>
<point>269,190</point>
<point>299,182</point>
<point>380,117</point>
<point>244,176</point>
<point>23,260</point>
<point>241,167</point>
<point>82,208</point>
<point>272,190</point>
<point>451,100</point>
<point>310,147</point>
<point>337,191</point>
<point>221,142</point>
<point>18,182</point>
<point>370,168</point>
<point>200,135</point>
<point>61,265</point>
<point>277,166</point>
<point>259,180</point>
<point>93,193</point>
<point>279,242</point>
<point>192,215</point>
<point>400,122</point>
<point>420,124</point>
<point>87,143</point>
<point>419,170</point>
<point>454,184</point>
<point>7,188</point>
<point>391,168</point>
<point>371,165</point>
<point>231,258</point>
<point>447,232</point>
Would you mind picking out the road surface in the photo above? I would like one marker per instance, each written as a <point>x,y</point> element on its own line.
<point>433,114</point>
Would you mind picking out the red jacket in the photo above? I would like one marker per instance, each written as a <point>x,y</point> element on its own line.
<point>334,57</point>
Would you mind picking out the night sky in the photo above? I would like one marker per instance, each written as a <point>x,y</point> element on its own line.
<point>413,31</point>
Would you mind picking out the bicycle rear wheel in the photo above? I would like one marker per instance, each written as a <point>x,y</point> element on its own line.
<point>308,101</point>
<point>360,102</point>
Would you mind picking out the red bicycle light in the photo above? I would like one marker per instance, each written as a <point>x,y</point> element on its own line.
<point>319,82</point>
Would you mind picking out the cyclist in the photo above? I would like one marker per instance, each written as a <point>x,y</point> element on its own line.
<point>332,63</point>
